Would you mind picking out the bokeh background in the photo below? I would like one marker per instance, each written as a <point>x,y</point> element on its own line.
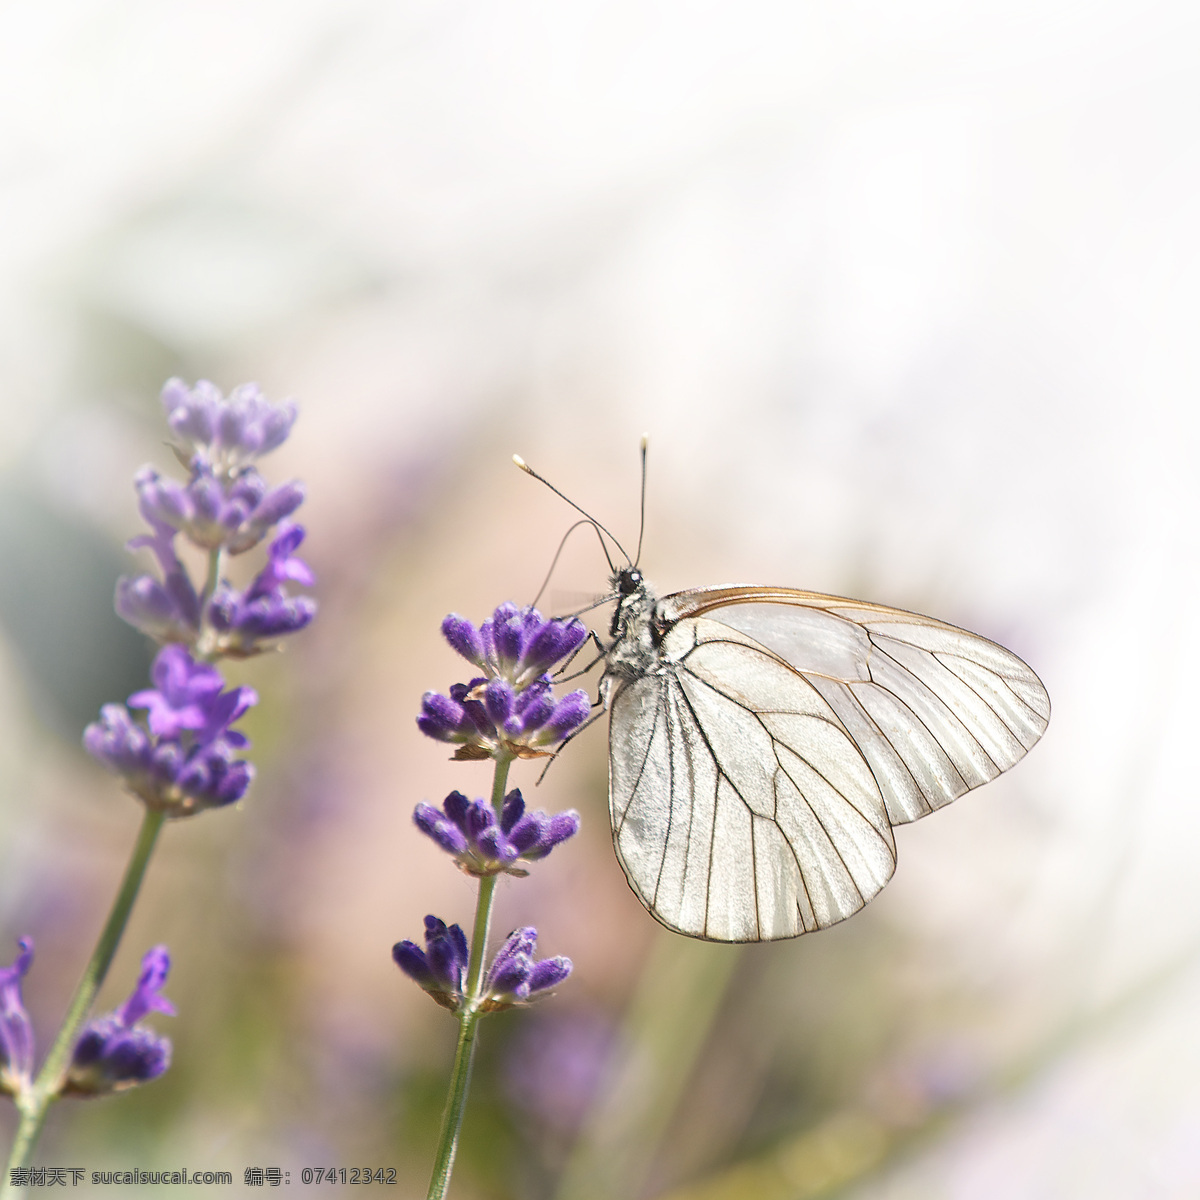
<point>906,294</point>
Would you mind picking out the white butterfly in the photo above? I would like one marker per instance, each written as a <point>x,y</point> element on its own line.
<point>763,742</point>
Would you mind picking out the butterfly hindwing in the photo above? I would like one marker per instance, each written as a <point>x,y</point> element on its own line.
<point>742,809</point>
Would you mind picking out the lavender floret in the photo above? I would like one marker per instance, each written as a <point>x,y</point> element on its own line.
<point>516,977</point>
<point>114,1052</point>
<point>170,610</point>
<point>516,644</point>
<point>444,832</point>
<point>184,695</point>
<point>149,606</point>
<point>444,718</point>
<point>464,637</point>
<point>215,512</point>
<point>482,845</point>
<point>486,719</point>
<point>226,432</point>
<point>263,516</point>
<point>16,1030</point>
<point>185,761</point>
<point>549,973</point>
<point>249,622</point>
<point>441,968</point>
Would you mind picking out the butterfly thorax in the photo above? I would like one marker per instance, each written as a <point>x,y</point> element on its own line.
<point>633,651</point>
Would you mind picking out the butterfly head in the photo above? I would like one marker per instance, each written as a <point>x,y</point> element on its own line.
<point>634,647</point>
<point>627,586</point>
<point>627,581</point>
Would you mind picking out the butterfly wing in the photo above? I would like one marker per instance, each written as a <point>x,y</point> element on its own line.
<point>934,710</point>
<point>742,809</point>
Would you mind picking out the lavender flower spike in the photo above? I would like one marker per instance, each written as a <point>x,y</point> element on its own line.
<point>114,1052</point>
<point>481,844</point>
<point>515,976</point>
<point>16,1030</point>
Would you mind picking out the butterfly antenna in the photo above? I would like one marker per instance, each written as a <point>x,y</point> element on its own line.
<point>642,518</point>
<point>558,554</point>
<point>600,528</point>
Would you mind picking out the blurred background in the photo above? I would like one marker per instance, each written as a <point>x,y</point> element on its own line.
<point>906,294</point>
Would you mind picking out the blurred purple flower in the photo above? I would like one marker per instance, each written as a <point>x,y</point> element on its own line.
<point>16,1030</point>
<point>114,1052</point>
<point>185,761</point>
<point>554,1065</point>
<point>185,693</point>
<point>481,845</point>
<point>225,505</point>
<point>225,433</point>
<point>249,622</point>
<point>213,512</point>
<point>168,611</point>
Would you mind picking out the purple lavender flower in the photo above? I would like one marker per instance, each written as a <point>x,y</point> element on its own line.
<point>225,433</point>
<point>441,968</point>
<point>481,845</point>
<point>185,693</point>
<point>16,1030</point>
<point>168,611</point>
<point>225,505</point>
<point>515,644</point>
<point>115,1052</point>
<point>213,512</point>
<point>184,761</point>
<point>149,606</point>
<point>510,711</point>
<point>516,977</point>
<point>249,622</point>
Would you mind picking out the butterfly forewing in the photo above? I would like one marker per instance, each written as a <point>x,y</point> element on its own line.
<point>742,809</point>
<point>934,710</point>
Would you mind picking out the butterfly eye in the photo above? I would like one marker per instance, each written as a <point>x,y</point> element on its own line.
<point>629,580</point>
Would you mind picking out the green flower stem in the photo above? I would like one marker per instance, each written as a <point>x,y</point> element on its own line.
<point>35,1102</point>
<point>468,1019</point>
<point>212,578</point>
<point>205,649</point>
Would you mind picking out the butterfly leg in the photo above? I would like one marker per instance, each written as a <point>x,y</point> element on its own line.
<point>601,704</point>
<point>561,678</point>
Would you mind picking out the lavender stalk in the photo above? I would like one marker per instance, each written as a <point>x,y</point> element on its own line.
<point>182,757</point>
<point>468,1023</point>
<point>508,712</point>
